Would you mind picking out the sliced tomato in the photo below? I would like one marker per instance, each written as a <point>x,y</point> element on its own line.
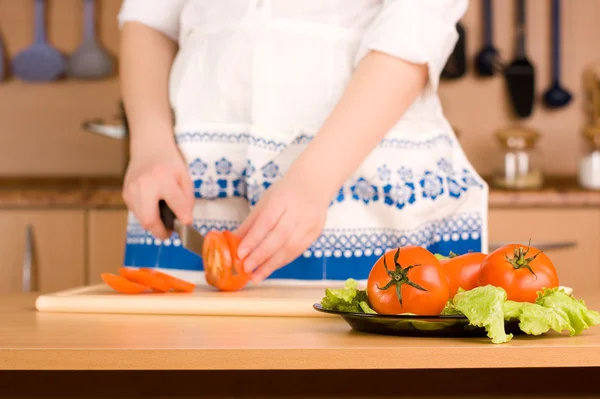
<point>222,267</point>
<point>408,280</point>
<point>157,284</point>
<point>123,285</point>
<point>176,284</point>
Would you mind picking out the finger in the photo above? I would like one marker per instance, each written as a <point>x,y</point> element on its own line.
<point>146,204</point>
<point>187,186</point>
<point>273,242</point>
<point>281,258</point>
<point>172,193</point>
<point>265,221</point>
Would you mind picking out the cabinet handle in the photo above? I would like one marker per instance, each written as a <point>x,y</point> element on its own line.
<point>548,246</point>
<point>28,259</point>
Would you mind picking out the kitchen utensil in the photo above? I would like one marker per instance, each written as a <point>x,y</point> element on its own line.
<point>517,165</point>
<point>591,83</point>
<point>268,299</point>
<point>556,96</point>
<point>90,60</point>
<point>542,246</point>
<point>2,60</point>
<point>487,61</point>
<point>40,62</point>
<point>28,259</point>
<point>413,325</point>
<point>456,66</point>
<point>520,74</point>
<point>118,131</point>
<point>191,239</point>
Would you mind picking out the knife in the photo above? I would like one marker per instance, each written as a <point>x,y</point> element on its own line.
<point>191,239</point>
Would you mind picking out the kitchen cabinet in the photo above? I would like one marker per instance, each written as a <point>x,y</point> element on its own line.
<point>56,243</point>
<point>579,265</point>
<point>106,242</point>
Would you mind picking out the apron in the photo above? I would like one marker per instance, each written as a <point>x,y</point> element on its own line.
<point>249,94</point>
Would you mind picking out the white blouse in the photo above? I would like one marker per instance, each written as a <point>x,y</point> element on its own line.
<point>418,31</point>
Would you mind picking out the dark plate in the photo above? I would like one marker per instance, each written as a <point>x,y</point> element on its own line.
<point>416,326</point>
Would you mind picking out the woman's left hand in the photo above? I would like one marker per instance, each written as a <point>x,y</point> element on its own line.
<point>284,223</point>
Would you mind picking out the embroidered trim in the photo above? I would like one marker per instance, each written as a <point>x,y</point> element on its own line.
<point>278,146</point>
<point>401,188</point>
<point>347,243</point>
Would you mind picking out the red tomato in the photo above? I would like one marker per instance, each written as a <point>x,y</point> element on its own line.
<point>521,270</point>
<point>463,271</point>
<point>408,280</point>
<point>222,267</point>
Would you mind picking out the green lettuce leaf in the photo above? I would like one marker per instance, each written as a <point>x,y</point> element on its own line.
<point>483,306</point>
<point>440,257</point>
<point>347,299</point>
<point>535,319</point>
<point>555,309</point>
<point>450,310</point>
<point>573,313</point>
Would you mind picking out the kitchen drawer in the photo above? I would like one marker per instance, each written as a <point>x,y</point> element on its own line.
<point>106,242</point>
<point>578,266</point>
<point>57,246</point>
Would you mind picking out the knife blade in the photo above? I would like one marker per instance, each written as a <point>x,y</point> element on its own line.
<point>191,239</point>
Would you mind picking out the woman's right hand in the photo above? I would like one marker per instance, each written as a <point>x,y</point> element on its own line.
<point>159,175</point>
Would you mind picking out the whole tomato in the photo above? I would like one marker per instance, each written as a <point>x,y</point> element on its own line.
<point>521,270</point>
<point>463,271</point>
<point>408,280</point>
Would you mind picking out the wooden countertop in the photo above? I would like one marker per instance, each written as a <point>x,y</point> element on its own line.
<point>102,192</point>
<point>44,341</point>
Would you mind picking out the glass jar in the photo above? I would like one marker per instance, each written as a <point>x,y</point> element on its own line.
<point>589,166</point>
<point>517,166</point>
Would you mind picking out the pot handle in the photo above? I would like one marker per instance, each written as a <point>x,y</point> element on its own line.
<point>28,259</point>
<point>99,127</point>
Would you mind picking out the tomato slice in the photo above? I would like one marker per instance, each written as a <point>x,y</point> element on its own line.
<point>222,267</point>
<point>123,285</point>
<point>157,284</point>
<point>176,284</point>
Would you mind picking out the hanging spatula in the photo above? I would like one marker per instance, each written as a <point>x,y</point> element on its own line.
<point>520,74</point>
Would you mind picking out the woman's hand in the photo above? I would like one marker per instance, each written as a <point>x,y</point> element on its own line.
<point>285,222</point>
<point>150,177</point>
<point>292,213</point>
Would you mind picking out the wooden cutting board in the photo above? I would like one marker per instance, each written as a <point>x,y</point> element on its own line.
<point>269,300</point>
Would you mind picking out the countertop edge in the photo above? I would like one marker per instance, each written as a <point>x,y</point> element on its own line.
<point>507,356</point>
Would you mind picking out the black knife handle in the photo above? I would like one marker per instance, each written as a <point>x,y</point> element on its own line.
<point>166,215</point>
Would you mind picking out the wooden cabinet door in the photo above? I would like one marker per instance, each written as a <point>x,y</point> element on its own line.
<point>106,242</point>
<point>579,266</point>
<point>58,249</point>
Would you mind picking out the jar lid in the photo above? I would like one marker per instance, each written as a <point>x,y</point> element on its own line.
<point>517,137</point>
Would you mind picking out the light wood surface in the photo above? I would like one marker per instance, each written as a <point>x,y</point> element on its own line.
<point>106,242</point>
<point>578,266</point>
<point>265,300</point>
<point>47,341</point>
<point>58,249</point>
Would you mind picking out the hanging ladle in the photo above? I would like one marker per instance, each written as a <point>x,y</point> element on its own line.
<point>488,61</point>
<point>556,96</point>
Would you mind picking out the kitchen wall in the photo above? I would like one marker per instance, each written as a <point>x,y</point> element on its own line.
<point>40,124</point>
